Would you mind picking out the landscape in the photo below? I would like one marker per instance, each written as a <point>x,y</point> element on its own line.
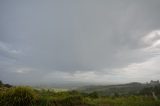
<point>79,52</point>
<point>132,94</point>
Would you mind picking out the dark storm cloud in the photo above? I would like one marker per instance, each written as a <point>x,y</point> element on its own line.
<point>72,38</point>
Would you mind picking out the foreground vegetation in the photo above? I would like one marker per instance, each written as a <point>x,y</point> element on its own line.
<point>27,96</point>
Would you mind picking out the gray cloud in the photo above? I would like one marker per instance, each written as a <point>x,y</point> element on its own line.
<point>74,39</point>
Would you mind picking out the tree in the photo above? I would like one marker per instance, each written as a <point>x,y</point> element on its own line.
<point>1,84</point>
<point>94,95</point>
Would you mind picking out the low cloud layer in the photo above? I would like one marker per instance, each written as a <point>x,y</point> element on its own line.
<point>59,42</point>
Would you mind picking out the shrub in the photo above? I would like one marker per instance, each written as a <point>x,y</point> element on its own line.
<point>18,96</point>
<point>93,95</point>
<point>72,101</point>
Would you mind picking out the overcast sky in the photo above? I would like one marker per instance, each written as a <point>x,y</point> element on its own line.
<point>79,41</point>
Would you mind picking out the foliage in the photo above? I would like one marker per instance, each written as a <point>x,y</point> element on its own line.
<point>93,95</point>
<point>18,96</point>
<point>26,96</point>
<point>4,85</point>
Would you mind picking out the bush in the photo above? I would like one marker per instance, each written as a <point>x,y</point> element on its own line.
<point>18,96</point>
<point>93,95</point>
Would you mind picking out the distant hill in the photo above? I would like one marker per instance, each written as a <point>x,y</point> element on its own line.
<point>121,89</point>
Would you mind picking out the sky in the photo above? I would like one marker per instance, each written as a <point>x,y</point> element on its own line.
<point>79,41</point>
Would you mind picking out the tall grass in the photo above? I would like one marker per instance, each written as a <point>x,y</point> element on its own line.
<point>18,96</point>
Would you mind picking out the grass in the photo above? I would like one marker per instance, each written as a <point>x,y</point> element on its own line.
<point>18,96</point>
